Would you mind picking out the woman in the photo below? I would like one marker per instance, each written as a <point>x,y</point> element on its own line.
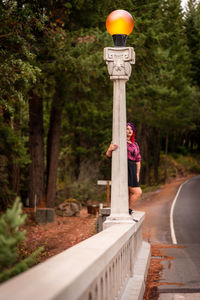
<point>134,165</point>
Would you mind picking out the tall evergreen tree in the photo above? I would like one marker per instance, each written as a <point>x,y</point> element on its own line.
<point>192,30</point>
<point>18,75</point>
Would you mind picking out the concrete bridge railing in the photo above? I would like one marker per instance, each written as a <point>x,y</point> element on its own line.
<point>110,265</point>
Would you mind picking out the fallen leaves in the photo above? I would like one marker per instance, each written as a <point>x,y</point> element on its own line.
<point>155,270</point>
<point>56,237</point>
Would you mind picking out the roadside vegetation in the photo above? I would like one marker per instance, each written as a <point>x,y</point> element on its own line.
<point>12,260</point>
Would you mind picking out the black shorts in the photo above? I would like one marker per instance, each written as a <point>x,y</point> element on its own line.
<point>132,174</point>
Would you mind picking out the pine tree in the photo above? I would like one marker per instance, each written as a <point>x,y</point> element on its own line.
<point>18,74</point>
<point>192,30</point>
<point>10,238</point>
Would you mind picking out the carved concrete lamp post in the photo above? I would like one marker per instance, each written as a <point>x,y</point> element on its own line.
<point>119,59</point>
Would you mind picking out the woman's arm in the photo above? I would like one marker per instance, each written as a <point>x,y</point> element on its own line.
<point>111,148</point>
<point>138,164</point>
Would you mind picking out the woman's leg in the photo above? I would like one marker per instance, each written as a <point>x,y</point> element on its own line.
<point>134,194</point>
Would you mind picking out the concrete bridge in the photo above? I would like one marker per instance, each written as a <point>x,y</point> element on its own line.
<point>110,265</point>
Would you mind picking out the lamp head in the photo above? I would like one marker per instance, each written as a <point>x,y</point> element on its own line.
<point>119,24</point>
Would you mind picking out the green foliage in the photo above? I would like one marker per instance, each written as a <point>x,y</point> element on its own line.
<point>182,150</point>
<point>13,150</point>
<point>192,30</point>
<point>10,238</point>
<point>56,54</point>
<point>18,75</point>
<point>192,33</point>
<point>85,187</point>
<point>191,164</point>
<point>180,165</point>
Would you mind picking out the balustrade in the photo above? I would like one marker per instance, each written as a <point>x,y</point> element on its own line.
<point>95,269</point>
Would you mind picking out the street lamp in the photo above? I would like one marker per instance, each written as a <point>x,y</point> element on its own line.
<point>119,24</point>
<point>119,59</point>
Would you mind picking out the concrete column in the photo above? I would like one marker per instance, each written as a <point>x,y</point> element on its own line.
<point>119,62</point>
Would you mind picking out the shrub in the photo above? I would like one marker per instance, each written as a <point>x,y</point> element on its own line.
<point>10,238</point>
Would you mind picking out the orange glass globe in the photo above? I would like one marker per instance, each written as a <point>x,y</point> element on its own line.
<point>119,22</point>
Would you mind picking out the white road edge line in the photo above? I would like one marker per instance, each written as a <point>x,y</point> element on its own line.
<point>173,236</point>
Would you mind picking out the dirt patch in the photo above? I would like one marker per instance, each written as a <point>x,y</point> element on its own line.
<point>56,237</point>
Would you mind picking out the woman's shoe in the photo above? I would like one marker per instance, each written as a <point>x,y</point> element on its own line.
<point>131,214</point>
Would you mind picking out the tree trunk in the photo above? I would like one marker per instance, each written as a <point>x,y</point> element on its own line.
<point>15,165</point>
<point>12,164</point>
<point>199,144</point>
<point>146,156</point>
<point>77,160</point>
<point>166,153</point>
<point>156,154</point>
<point>53,146</point>
<point>191,143</point>
<point>15,178</point>
<point>36,144</point>
<point>4,165</point>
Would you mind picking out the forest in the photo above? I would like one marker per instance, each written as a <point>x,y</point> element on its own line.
<point>56,95</point>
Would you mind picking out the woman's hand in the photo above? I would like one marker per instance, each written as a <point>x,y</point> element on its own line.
<point>111,148</point>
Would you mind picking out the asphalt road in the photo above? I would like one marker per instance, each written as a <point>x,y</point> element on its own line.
<point>186,215</point>
<point>181,273</point>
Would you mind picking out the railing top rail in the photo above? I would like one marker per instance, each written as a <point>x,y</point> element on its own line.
<point>82,262</point>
